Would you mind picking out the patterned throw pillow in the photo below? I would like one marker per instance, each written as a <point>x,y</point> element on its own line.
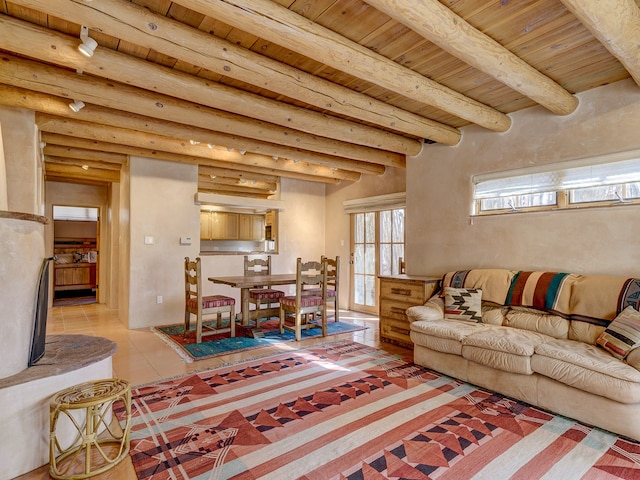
<point>463,304</point>
<point>623,334</point>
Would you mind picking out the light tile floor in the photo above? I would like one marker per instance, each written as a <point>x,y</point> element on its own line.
<point>142,357</point>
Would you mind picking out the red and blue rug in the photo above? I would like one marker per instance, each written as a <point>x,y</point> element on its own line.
<point>223,344</point>
<point>346,411</point>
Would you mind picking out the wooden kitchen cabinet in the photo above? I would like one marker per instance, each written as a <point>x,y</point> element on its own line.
<point>231,226</point>
<point>252,227</point>
<point>75,276</point>
<point>218,225</point>
<point>397,293</point>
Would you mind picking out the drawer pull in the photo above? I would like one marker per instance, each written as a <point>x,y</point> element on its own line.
<point>397,310</point>
<point>399,330</point>
<point>401,291</point>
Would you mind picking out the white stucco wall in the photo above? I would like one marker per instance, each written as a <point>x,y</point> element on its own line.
<point>161,207</point>
<point>441,237</point>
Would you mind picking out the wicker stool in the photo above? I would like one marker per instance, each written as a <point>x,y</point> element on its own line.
<point>98,443</point>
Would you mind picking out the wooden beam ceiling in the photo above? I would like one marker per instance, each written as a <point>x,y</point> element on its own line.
<point>138,25</point>
<point>282,26</point>
<point>324,91</point>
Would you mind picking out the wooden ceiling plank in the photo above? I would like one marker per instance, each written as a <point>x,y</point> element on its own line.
<point>34,76</point>
<point>321,174</point>
<point>616,24</point>
<point>277,24</point>
<point>144,74</point>
<point>452,33</point>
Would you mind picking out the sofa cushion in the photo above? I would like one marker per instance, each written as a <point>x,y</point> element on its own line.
<point>526,319</point>
<point>623,334</point>
<point>444,335</point>
<point>463,304</point>
<point>587,368</point>
<point>503,348</point>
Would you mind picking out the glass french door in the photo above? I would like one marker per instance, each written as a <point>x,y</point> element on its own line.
<point>377,244</point>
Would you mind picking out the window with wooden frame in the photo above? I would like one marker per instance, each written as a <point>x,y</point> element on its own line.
<point>606,180</point>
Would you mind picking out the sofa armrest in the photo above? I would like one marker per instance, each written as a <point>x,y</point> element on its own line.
<point>633,358</point>
<point>433,309</point>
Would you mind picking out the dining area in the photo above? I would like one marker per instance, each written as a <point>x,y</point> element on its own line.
<point>305,299</point>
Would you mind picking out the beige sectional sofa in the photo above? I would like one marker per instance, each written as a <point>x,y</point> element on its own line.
<point>535,338</point>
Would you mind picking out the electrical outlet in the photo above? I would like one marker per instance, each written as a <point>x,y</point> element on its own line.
<point>159,299</point>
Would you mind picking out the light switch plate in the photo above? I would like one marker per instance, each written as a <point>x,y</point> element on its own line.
<point>148,240</point>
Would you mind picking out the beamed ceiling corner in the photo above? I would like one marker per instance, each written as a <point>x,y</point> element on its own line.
<point>252,91</point>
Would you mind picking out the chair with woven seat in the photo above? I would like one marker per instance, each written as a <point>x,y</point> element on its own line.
<point>308,274</point>
<point>204,306</point>
<point>263,296</point>
<point>333,283</point>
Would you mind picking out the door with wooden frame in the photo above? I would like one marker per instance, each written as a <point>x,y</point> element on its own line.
<point>377,244</point>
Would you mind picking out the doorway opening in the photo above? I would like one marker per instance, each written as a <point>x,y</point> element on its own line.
<point>76,235</point>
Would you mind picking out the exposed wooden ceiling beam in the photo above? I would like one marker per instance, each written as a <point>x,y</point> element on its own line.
<point>236,191</point>
<point>34,76</point>
<point>80,162</point>
<point>277,24</point>
<point>236,174</point>
<point>79,173</point>
<point>106,133</point>
<point>438,24</point>
<point>133,23</point>
<point>44,103</point>
<point>204,181</point>
<point>616,24</point>
<point>81,154</point>
<point>46,45</point>
<point>321,174</point>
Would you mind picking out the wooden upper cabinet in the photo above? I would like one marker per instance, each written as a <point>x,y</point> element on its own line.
<point>252,227</point>
<point>231,226</point>
<point>224,226</point>
<point>205,225</point>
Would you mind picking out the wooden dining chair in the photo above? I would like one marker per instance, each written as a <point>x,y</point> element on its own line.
<point>333,284</point>
<point>264,296</point>
<point>308,274</point>
<point>204,306</point>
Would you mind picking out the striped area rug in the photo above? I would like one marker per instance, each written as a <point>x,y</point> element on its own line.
<point>347,411</point>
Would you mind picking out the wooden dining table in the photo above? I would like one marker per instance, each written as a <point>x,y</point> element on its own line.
<point>246,283</point>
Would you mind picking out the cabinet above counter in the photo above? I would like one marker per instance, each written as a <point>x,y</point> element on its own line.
<point>233,232</point>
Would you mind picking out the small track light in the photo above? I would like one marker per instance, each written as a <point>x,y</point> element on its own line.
<point>88,45</point>
<point>77,105</point>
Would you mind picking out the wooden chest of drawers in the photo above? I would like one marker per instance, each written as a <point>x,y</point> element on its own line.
<point>397,293</point>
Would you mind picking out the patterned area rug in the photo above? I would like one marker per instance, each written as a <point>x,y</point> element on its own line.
<point>346,411</point>
<point>222,344</point>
